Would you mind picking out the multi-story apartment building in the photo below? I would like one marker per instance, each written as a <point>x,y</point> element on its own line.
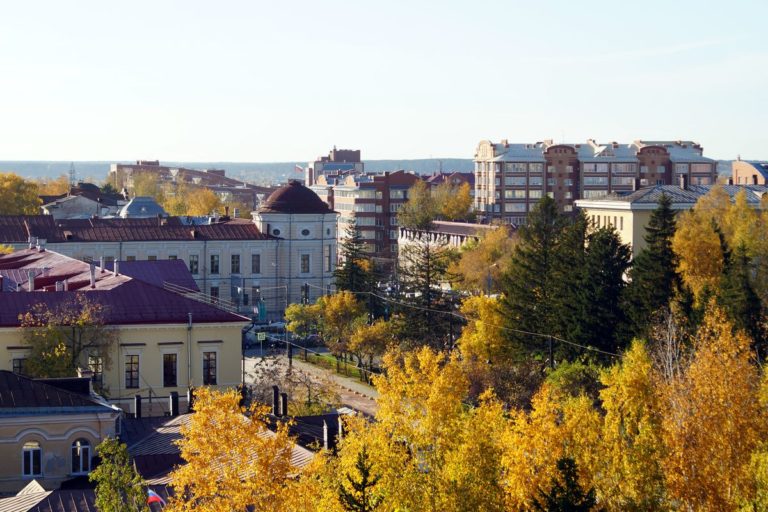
<point>337,165</point>
<point>122,176</point>
<point>371,201</point>
<point>454,178</point>
<point>749,172</point>
<point>510,178</point>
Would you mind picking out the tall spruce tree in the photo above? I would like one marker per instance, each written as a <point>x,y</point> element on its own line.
<point>534,279</point>
<point>353,272</point>
<point>566,494</point>
<point>119,487</point>
<point>654,280</point>
<point>425,308</point>
<point>361,497</point>
<point>739,299</point>
<point>598,305</point>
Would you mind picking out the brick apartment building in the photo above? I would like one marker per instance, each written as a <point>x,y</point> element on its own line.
<point>121,176</point>
<point>339,164</point>
<point>372,201</point>
<point>511,177</point>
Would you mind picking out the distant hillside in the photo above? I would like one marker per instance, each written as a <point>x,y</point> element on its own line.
<point>257,172</point>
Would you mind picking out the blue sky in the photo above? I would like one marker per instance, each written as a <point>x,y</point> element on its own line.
<point>276,81</point>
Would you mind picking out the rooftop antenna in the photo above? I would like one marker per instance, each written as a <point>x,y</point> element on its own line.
<point>72,180</point>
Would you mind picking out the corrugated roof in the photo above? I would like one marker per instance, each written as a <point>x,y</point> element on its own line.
<point>158,272</point>
<point>651,195</point>
<point>760,167</point>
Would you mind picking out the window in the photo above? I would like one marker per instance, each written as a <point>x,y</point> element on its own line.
<point>551,181</point>
<point>304,232</point>
<point>172,257</point>
<point>534,194</point>
<point>591,194</point>
<point>514,207</point>
<point>132,371</point>
<point>626,180</point>
<point>514,194</point>
<point>535,181</point>
<point>96,365</point>
<point>169,370</point>
<point>194,264</point>
<point>515,181</point>
<point>209,368</point>
<point>18,365</point>
<point>328,259</point>
<point>276,232</point>
<point>32,457</point>
<point>682,168</point>
<point>701,167</point>
<point>215,293</point>
<point>624,168</point>
<point>588,167</point>
<point>255,263</point>
<point>535,167</point>
<point>305,263</point>
<point>81,457</point>
<point>568,182</point>
<point>601,167</point>
<point>568,208</point>
<point>130,258</point>
<point>595,180</point>
<point>152,257</point>
<point>569,195</point>
<point>214,263</point>
<point>235,261</point>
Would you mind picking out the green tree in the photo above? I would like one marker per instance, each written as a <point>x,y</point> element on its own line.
<point>454,202</point>
<point>18,196</point>
<point>354,270</point>
<point>654,280</point>
<point>597,304</point>
<point>738,298</point>
<point>531,282</point>
<point>566,495</point>
<point>359,495</point>
<point>422,271</point>
<point>119,487</point>
<point>481,264</point>
<point>420,209</point>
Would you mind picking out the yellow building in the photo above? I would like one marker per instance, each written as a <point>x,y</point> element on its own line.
<point>160,341</point>
<point>629,214</point>
<point>49,430</point>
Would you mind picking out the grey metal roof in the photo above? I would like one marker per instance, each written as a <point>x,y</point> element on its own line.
<point>651,195</point>
<point>760,167</point>
<point>22,395</point>
<point>140,207</point>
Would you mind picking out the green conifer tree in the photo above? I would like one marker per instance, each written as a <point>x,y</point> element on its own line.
<point>351,273</point>
<point>566,495</point>
<point>738,297</point>
<point>654,280</point>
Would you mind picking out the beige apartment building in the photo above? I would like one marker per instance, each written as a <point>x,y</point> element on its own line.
<point>510,178</point>
<point>630,213</point>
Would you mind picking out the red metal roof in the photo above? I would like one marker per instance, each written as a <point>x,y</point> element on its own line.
<point>126,300</point>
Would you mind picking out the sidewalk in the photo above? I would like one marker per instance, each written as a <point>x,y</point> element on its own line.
<point>354,393</point>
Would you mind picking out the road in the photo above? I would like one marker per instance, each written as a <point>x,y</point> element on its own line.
<point>354,394</point>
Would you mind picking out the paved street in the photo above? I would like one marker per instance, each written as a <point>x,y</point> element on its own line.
<point>354,394</point>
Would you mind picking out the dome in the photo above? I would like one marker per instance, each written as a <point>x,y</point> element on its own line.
<point>294,198</point>
<point>141,207</point>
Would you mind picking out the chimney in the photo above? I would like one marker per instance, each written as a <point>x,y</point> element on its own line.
<point>32,242</point>
<point>59,286</point>
<point>93,275</point>
<point>66,285</point>
<point>137,406</point>
<point>284,404</point>
<point>275,401</point>
<point>191,399</point>
<point>325,435</point>
<point>730,181</point>
<point>116,268</point>
<point>226,211</point>
<point>684,181</point>
<point>235,212</point>
<point>174,403</point>
<point>41,244</point>
<point>1,284</point>
<point>31,280</point>
<point>754,179</point>
<point>101,264</point>
<point>636,184</point>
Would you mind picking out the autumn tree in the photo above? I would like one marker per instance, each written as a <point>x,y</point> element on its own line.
<point>420,209</point>
<point>359,495</point>
<point>482,264</point>
<point>63,336</point>
<point>202,201</point>
<point>119,487</point>
<point>654,280</point>
<point>303,319</point>
<point>631,477</point>
<point>53,187</point>
<point>454,202</point>
<point>5,249</point>
<point>483,337</point>
<point>713,421</point>
<point>341,313</point>
<point>565,493</point>
<point>18,196</point>
<point>370,341</point>
<point>147,184</point>
<point>246,466</point>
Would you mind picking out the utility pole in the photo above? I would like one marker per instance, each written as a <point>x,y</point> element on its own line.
<point>551,352</point>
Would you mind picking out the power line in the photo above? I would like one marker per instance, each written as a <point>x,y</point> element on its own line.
<point>501,327</point>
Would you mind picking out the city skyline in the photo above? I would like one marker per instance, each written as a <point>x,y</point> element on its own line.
<point>262,83</point>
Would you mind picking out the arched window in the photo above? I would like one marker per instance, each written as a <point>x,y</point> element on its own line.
<point>32,457</point>
<point>81,457</point>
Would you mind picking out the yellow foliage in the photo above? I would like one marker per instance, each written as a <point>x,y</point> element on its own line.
<point>713,421</point>
<point>54,187</point>
<point>202,201</point>
<point>630,475</point>
<point>699,251</point>
<point>232,461</point>
<point>483,336</point>
<point>486,259</point>
<point>18,196</point>
<point>341,314</point>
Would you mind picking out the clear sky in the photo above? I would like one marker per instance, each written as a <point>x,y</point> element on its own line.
<point>282,80</point>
